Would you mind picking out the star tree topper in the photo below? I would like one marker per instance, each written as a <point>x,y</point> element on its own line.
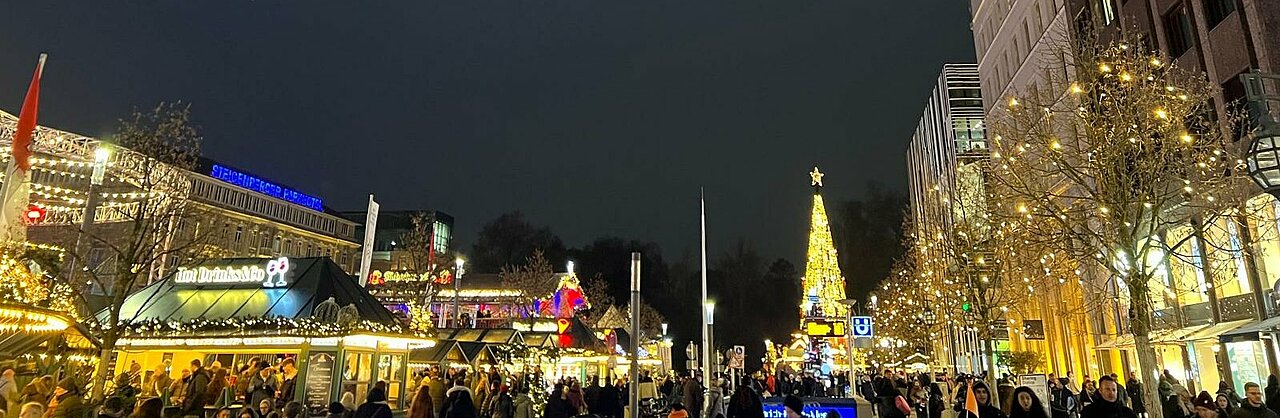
<point>816,177</point>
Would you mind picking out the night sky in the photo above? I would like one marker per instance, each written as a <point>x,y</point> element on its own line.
<point>593,117</point>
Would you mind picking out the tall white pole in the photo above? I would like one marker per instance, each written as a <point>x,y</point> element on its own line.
<point>706,329</point>
<point>634,394</point>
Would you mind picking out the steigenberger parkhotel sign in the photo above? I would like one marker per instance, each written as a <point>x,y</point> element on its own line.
<point>263,273</point>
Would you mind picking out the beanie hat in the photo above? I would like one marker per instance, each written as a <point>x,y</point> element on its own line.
<point>1205,401</point>
<point>793,403</point>
<point>69,384</point>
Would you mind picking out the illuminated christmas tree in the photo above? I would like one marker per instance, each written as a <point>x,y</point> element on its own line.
<point>823,284</point>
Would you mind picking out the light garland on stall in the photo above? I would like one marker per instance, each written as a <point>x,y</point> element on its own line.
<point>300,327</point>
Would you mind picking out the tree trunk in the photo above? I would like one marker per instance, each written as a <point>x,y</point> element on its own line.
<point>1140,324</point>
<point>100,373</point>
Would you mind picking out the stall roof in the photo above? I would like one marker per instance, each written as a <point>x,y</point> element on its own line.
<point>444,351</point>
<point>309,281</point>
<point>483,335</point>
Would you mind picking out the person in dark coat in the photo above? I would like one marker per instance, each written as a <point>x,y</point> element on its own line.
<point>609,403</point>
<point>1253,407</point>
<point>981,394</point>
<point>693,395</point>
<point>1062,403</point>
<point>1273,394</point>
<point>197,389</point>
<point>1135,395</point>
<point>1233,399</point>
<point>1107,405</point>
<point>66,402</point>
<point>745,403</point>
<point>555,407</point>
<point>1206,407</point>
<point>374,406</point>
<point>461,406</point>
<point>1026,404</point>
<point>262,387</point>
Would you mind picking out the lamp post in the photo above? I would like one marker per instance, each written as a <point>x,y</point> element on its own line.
<point>101,155</point>
<point>457,289</point>
<point>709,308</point>
<point>848,327</point>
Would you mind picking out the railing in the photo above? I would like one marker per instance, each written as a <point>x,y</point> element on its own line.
<point>480,323</point>
<point>1197,313</point>
<point>1236,307</point>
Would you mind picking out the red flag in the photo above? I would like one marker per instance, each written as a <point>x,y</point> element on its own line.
<point>27,120</point>
<point>970,401</point>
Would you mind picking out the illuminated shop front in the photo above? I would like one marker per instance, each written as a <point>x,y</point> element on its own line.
<point>307,309</point>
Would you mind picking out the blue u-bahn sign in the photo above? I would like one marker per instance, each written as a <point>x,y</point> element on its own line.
<point>862,327</point>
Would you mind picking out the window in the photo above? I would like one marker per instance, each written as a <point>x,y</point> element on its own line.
<point>1237,253</point>
<point>1215,11</point>
<point>239,234</point>
<point>1108,12</point>
<point>1177,29</point>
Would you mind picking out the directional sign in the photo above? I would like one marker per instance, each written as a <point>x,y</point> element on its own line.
<point>824,328</point>
<point>862,327</point>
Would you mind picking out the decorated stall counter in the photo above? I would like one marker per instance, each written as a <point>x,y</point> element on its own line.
<point>234,312</point>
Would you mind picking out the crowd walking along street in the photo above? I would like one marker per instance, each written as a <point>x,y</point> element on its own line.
<point>1088,225</point>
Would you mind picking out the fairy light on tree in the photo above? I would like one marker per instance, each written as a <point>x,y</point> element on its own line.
<point>1100,174</point>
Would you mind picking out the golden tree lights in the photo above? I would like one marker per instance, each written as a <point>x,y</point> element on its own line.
<point>1104,174</point>
<point>23,283</point>
<point>823,284</point>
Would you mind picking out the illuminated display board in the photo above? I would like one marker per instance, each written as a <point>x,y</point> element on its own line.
<point>814,408</point>
<point>250,182</point>
<point>264,273</point>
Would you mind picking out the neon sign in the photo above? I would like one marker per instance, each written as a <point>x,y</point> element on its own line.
<point>250,182</point>
<point>378,277</point>
<point>271,275</point>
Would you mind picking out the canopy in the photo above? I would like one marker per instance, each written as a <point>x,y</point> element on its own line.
<point>1251,331</point>
<point>235,288</point>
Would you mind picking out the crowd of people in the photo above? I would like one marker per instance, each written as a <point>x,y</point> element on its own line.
<point>901,395</point>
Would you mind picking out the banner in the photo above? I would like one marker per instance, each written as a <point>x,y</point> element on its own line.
<point>366,250</point>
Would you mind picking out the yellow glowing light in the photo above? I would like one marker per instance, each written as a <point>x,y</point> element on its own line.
<point>1161,113</point>
<point>1013,101</point>
<point>1075,88</point>
<point>1125,77</point>
<point>1186,138</point>
<point>1104,68</point>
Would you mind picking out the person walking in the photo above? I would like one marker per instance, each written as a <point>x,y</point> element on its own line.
<point>714,407</point>
<point>460,405</point>
<point>374,406</point>
<point>67,402</point>
<point>1026,404</point>
<point>422,406</point>
<point>693,395</point>
<point>982,395</point>
<point>1272,393</point>
<point>1062,403</point>
<point>197,389</point>
<point>1206,407</point>
<point>1253,407</point>
<point>1108,403</point>
<point>523,404</point>
<point>262,387</point>
<point>288,381</point>
<point>1233,399</point>
<point>745,403</point>
<point>1179,403</point>
<point>1135,395</point>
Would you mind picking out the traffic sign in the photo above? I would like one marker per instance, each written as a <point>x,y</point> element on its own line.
<point>862,327</point>
<point>824,328</point>
<point>738,357</point>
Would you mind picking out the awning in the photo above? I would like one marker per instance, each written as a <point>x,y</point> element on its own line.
<point>1251,331</point>
<point>1209,332</point>
<point>1164,336</point>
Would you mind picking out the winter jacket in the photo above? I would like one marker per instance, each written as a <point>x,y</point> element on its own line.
<point>452,397</point>
<point>436,387</point>
<point>523,406</point>
<point>288,387</point>
<point>1249,411</point>
<point>1061,403</point>
<point>373,410</point>
<point>1272,393</point>
<point>501,406</point>
<point>1102,408</point>
<point>692,395</point>
<point>69,405</point>
<point>197,388</point>
<point>261,389</point>
<point>715,403</point>
<point>1135,397</point>
<point>32,393</point>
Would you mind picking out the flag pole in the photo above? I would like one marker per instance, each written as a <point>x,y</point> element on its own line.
<point>706,329</point>
<point>16,193</point>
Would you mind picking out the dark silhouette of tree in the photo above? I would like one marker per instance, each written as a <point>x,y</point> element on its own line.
<point>509,240</point>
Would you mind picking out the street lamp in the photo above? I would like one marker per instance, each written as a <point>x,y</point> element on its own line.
<point>709,309</point>
<point>457,279</point>
<point>1264,152</point>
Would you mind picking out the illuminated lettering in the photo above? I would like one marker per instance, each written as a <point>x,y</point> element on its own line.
<point>272,275</point>
<point>250,182</point>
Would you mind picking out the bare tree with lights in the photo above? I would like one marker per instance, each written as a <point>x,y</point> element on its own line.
<point>157,225</point>
<point>419,243</point>
<point>535,279</point>
<point>1099,169</point>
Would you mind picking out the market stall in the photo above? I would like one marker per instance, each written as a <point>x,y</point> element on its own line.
<point>235,311</point>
